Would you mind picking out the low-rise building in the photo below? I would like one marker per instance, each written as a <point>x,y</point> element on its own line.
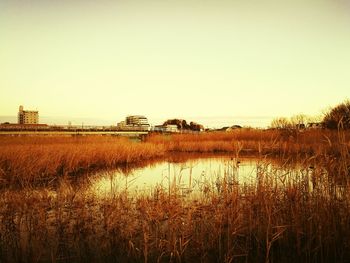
<point>171,128</point>
<point>166,128</point>
<point>121,125</point>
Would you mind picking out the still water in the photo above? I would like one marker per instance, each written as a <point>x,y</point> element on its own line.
<point>188,177</point>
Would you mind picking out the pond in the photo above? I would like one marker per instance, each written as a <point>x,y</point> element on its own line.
<point>156,206</point>
<point>195,176</point>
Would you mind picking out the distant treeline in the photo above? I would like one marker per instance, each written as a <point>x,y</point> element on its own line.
<point>335,118</point>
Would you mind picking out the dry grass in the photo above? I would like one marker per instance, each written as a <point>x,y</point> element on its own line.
<point>298,215</point>
<point>251,141</point>
<point>278,218</point>
<point>24,160</point>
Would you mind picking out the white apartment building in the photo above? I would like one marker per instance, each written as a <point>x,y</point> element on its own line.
<point>136,120</point>
<point>134,123</point>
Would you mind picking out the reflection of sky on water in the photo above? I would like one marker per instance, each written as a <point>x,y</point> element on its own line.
<point>202,174</point>
<point>189,175</point>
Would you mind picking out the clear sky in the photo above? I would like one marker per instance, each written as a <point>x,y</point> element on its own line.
<point>174,58</point>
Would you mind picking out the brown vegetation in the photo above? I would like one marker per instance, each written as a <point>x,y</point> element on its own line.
<point>338,116</point>
<point>278,142</point>
<point>285,217</point>
<point>24,160</point>
<point>41,159</point>
<point>296,216</point>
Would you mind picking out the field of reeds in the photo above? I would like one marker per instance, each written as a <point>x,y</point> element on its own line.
<point>277,142</point>
<point>41,159</point>
<point>24,160</point>
<point>300,215</point>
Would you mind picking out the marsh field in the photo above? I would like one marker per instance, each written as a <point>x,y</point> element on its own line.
<point>242,196</point>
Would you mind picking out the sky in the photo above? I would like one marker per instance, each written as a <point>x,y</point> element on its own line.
<point>238,61</point>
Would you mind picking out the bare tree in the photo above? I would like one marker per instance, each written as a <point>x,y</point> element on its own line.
<point>299,119</point>
<point>281,123</point>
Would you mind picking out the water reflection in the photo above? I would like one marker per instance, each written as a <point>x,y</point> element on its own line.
<point>201,175</point>
<point>189,176</point>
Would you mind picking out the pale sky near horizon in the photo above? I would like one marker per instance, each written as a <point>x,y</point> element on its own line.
<point>164,59</point>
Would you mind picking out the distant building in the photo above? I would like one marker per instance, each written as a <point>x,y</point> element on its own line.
<point>121,125</point>
<point>27,117</point>
<point>166,128</point>
<point>159,128</point>
<point>136,120</point>
<point>134,123</point>
<point>171,128</point>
